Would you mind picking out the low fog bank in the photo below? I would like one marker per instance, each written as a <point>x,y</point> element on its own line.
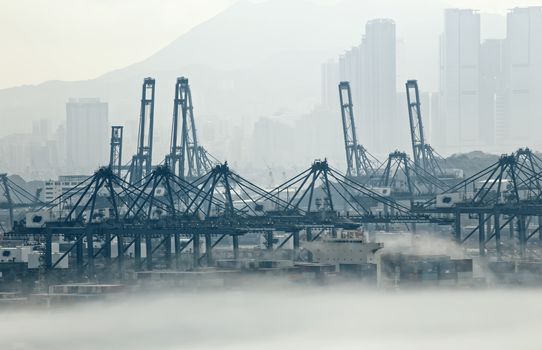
<point>295,318</point>
<point>426,243</point>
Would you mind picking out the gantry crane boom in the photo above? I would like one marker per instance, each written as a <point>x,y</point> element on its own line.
<point>142,161</point>
<point>422,153</point>
<point>115,153</point>
<point>187,158</point>
<point>358,162</point>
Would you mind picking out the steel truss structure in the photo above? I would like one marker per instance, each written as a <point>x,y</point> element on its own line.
<point>505,194</point>
<point>423,154</point>
<point>188,200</point>
<point>142,161</point>
<point>115,153</point>
<point>187,158</point>
<point>408,181</point>
<point>14,197</point>
<point>163,207</point>
<point>359,162</point>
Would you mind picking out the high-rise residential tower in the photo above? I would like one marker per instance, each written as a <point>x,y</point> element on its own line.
<point>491,92</point>
<point>371,70</point>
<point>378,91</point>
<point>459,81</point>
<point>86,134</point>
<point>523,76</point>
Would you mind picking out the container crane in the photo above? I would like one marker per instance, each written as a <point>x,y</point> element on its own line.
<point>423,154</point>
<point>359,162</point>
<point>187,158</point>
<point>142,161</point>
<point>115,153</point>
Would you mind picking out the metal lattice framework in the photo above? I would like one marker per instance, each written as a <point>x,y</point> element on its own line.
<point>190,196</point>
<point>187,157</point>
<point>504,194</point>
<point>320,188</point>
<point>221,203</point>
<point>115,154</point>
<point>359,162</point>
<point>526,159</point>
<point>104,196</point>
<point>512,179</point>
<point>13,197</point>
<point>406,180</point>
<point>142,160</point>
<point>423,154</point>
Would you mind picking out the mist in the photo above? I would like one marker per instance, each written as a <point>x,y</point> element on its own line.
<point>280,318</point>
<point>271,174</point>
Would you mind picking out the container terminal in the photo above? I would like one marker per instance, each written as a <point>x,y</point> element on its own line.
<point>189,221</point>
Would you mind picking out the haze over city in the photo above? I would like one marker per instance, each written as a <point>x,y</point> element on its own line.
<point>270,174</point>
<point>86,51</point>
<point>233,72</point>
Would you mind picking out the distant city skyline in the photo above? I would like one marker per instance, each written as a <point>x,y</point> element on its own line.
<point>371,70</point>
<point>33,55</point>
<point>473,89</point>
<point>87,135</point>
<point>489,89</point>
<point>459,80</point>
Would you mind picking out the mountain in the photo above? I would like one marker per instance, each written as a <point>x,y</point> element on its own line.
<point>254,59</point>
<point>471,162</point>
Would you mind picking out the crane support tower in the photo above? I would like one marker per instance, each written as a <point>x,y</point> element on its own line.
<point>115,153</point>
<point>357,158</point>
<point>4,182</point>
<point>422,153</point>
<point>187,158</point>
<point>142,160</point>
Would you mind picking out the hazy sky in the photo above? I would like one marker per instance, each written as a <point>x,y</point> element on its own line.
<point>81,39</point>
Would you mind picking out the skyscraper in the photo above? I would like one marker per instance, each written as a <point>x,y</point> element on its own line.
<point>491,92</point>
<point>86,134</point>
<point>371,70</point>
<point>523,74</point>
<point>378,85</point>
<point>330,80</point>
<point>351,70</point>
<point>459,81</point>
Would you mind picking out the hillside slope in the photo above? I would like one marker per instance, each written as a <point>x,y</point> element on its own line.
<point>254,59</point>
